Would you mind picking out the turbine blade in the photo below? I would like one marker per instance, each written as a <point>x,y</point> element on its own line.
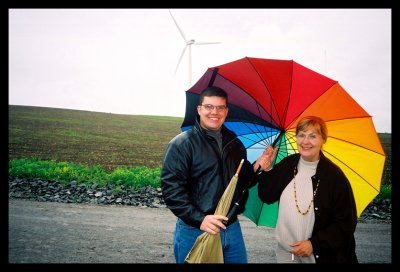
<point>180,59</point>
<point>176,23</point>
<point>201,43</point>
<point>190,65</point>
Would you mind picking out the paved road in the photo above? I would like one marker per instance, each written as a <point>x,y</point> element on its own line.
<point>50,232</point>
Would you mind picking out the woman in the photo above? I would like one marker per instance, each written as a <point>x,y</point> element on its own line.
<point>317,214</point>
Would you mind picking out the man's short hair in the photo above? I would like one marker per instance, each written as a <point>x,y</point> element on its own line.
<point>213,91</point>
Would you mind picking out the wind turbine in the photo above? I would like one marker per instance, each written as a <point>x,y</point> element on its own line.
<point>188,45</point>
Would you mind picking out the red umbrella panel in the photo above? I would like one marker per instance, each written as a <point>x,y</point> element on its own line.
<point>267,97</point>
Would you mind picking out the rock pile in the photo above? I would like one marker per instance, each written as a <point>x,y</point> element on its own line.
<point>378,210</point>
<point>74,192</point>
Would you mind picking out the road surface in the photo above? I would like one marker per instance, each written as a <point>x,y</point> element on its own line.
<point>51,232</point>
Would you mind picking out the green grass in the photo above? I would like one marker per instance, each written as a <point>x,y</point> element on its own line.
<point>385,192</point>
<point>65,172</point>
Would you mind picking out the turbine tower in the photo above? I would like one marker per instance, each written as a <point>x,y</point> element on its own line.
<point>188,45</point>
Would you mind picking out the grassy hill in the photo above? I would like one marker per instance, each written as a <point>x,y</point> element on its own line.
<point>95,138</point>
<point>89,138</point>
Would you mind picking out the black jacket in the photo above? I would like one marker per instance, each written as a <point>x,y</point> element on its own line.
<point>334,206</point>
<point>195,173</point>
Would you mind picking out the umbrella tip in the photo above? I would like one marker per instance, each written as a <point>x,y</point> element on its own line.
<point>239,167</point>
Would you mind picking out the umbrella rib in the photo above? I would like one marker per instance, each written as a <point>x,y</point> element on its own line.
<point>254,132</point>
<point>262,142</point>
<point>287,143</point>
<point>269,113</point>
<point>289,97</point>
<point>311,102</point>
<point>261,139</point>
<point>253,125</point>
<point>355,144</point>
<point>377,190</point>
<point>268,93</point>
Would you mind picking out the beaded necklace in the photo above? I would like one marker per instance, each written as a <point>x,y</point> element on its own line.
<point>295,194</point>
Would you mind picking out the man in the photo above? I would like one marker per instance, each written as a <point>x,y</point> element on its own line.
<point>197,167</point>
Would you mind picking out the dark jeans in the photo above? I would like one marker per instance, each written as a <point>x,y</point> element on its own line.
<point>233,245</point>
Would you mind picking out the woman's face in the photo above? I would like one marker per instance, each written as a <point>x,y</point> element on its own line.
<point>309,142</point>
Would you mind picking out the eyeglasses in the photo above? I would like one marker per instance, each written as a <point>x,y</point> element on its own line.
<point>210,107</point>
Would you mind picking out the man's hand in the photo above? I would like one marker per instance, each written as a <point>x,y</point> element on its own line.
<point>212,223</point>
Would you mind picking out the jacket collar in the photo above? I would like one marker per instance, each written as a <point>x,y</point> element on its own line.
<point>224,130</point>
<point>321,167</point>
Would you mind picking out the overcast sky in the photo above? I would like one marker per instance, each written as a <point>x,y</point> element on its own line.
<point>123,60</point>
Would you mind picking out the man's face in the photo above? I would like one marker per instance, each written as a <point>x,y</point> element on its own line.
<point>212,119</point>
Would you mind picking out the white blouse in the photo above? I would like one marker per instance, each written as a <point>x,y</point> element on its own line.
<point>293,226</point>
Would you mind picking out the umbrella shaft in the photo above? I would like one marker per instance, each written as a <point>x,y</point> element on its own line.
<point>237,203</point>
<point>231,212</point>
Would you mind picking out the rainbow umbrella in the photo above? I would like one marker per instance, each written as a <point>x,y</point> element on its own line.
<point>267,97</point>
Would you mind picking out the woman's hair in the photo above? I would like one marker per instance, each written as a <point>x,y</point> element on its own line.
<point>315,122</point>
<point>213,91</point>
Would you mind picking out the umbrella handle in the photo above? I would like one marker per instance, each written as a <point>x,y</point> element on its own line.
<point>258,171</point>
<point>232,211</point>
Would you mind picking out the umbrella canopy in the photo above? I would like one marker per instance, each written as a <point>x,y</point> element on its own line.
<point>208,248</point>
<point>267,97</point>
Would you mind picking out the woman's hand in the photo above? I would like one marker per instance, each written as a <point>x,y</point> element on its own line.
<point>266,158</point>
<point>302,248</point>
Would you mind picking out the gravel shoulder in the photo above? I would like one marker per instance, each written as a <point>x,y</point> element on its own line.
<point>52,232</point>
